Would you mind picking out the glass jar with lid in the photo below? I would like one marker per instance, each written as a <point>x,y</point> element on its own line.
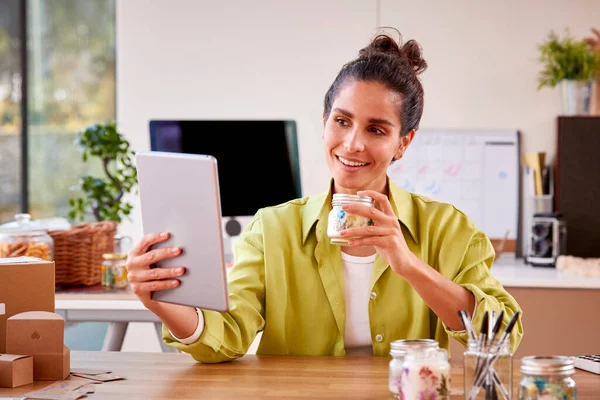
<point>338,219</point>
<point>398,350</point>
<point>547,378</point>
<point>498,380</point>
<point>25,238</point>
<point>114,271</point>
<point>425,374</point>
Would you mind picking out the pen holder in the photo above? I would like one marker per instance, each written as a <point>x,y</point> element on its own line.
<point>487,374</point>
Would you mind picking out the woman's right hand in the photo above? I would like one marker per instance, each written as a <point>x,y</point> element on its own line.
<point>145,280</point>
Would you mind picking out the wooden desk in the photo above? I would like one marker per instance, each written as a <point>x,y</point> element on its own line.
<point>178,376</point>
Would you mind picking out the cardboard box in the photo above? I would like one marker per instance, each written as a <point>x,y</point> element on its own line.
<point>26,284</point>
<point>41,335</point>
<point>15,370</point>
<point>52,367</point>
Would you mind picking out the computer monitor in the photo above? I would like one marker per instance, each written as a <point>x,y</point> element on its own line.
<point>257,161</point>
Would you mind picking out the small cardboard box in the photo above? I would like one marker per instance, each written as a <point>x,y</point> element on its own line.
<point>52,367</point>
<point>15,370</point>
<point>41,335</point>
<point>26,284</point>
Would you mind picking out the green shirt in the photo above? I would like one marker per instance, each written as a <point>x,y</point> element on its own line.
<point>287,281</point>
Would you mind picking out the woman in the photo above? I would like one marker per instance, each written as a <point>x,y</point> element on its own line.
<point>407,276</point>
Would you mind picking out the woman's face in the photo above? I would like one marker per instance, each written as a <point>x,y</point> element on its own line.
<point>362,136</point>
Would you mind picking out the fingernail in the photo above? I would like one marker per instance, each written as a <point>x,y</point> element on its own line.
<point>343,233</point>
<point>175,250</point>
<point>164,234</point>
<point>180,270</point>
<point>345,206</point>
<point>174,283</point>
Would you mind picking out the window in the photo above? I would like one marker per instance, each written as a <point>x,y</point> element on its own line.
<point>10,109</point>
<point>70,67</point>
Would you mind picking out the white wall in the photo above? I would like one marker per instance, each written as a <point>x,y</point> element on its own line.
<point>483,64</point>
<point>238,59</point>
<point>275,59</point>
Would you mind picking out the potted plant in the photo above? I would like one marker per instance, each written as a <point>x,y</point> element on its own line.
<point>573,65</point>
<point>103,197</point>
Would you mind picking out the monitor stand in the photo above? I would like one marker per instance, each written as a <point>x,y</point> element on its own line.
<point>232,229</point>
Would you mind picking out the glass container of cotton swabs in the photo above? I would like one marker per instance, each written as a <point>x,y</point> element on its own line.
<point>488,372</point>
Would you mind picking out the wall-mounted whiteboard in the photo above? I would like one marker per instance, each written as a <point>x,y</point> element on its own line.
<point>475,170</point>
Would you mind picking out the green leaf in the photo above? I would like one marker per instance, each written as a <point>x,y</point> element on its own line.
<point>103,195</point>
<point>566,59</point>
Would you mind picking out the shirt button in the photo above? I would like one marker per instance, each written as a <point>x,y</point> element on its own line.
<point>373,295</point>
<point>379,337</point>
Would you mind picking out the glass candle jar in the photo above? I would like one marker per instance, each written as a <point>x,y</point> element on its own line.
<point>498,380</point>
<point>25,238</point>
<point>114,271</point>
<point>339,219</point>
<point>547,378</point>
<point>398,351</point>
<point>425,375</point>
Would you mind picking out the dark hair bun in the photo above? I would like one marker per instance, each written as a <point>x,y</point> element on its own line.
<point>384,44</point>
<point>413,52</point>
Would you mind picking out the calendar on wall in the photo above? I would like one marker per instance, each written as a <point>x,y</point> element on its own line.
<point>477,171</point>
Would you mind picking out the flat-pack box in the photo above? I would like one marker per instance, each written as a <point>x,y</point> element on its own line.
<point>26,284</point>
<point>41,335</point>
<point>15,370</point>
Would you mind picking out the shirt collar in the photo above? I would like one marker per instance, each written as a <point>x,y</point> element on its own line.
<point>318,206</point>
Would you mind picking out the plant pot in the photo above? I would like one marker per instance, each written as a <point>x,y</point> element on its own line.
<point>576,97</point>
<point>595,106</point>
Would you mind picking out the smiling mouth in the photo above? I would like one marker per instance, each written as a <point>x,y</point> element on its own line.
<point>349,163</point>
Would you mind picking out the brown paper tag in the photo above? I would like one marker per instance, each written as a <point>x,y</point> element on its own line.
<point>69,389</point>
<point>88,371</point>
<point>99,377</point>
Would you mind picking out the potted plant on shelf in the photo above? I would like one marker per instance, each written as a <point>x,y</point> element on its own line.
<point>573,65</point>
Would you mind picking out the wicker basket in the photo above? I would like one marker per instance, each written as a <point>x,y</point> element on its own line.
<point>78,252</point>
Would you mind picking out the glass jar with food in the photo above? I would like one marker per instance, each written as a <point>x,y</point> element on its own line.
<point>339,220</point>
<point>114,271</point>
<point>25,238</point>
<point>547,378</point>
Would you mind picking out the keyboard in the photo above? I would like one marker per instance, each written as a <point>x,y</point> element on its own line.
<point>588,363</point>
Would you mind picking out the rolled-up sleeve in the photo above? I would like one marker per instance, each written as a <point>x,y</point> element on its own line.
<point>228,335</point>
<point>475,276</point>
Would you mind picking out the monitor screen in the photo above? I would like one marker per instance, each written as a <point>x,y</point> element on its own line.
<point>257,160</point>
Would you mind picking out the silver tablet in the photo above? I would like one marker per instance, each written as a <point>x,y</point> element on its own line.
<point>179,194</point>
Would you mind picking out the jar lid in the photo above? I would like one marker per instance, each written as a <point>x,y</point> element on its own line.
<point>399,347</point>
<point>22,224</point>
<point>547,365</point>
<point>114,256</point>
<point>342,197</point>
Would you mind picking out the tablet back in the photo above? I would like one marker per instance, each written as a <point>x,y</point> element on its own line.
<point>179,194</point>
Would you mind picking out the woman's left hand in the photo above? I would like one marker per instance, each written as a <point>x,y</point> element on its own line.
<point>385,234</point>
